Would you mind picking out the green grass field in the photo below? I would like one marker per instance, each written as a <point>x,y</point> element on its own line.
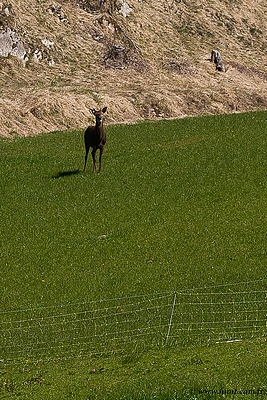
<point>179,205</point>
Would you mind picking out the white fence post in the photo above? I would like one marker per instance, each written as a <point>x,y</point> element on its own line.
<point>171,317</point>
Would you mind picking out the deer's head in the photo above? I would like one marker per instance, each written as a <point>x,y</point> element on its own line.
<point>98,114</point>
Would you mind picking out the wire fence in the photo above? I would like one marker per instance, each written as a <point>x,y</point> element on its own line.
<point>97,327</point>
<point>218,317</point>
<point>115,325</point>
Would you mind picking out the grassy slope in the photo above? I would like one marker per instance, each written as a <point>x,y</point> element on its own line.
<point>191,202</point>
<point>175,39</point>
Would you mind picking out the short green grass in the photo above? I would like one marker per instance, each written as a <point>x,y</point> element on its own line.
<point>236,370</point>
<point>180,204</point>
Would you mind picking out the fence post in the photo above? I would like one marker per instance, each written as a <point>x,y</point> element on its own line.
<point>170,320</point>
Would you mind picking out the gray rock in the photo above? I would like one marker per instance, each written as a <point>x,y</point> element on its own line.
<point>11,44</point>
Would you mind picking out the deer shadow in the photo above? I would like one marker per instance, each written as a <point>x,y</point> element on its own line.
<point>64,174</point>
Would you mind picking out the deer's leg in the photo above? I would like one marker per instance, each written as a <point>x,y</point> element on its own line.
<point>85,158</point>
<point>94,159</point>
<point>100,158</point>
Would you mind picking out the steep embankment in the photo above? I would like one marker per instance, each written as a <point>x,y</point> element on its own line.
<point>143,59</point>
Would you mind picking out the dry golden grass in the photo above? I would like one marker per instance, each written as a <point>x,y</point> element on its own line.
<point>166,74</point>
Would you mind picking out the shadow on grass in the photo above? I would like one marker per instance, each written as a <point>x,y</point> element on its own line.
<point>63,174</point>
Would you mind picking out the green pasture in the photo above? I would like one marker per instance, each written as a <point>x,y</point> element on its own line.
<point>179,205</point>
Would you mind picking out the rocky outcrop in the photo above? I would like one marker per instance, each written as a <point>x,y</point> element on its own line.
<point>11,44</point>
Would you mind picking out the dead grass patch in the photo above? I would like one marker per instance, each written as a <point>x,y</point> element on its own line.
<point>248,71</point>
<point>148,65</point>
<point>155,107</point>
<point>179,67</point>
<point>118,57</point>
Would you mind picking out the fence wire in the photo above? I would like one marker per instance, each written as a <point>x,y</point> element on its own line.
<point>89,328</point>
<point>218,317</point>
<point>110,326</point>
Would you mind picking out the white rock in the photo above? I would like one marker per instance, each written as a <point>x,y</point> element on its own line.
<point>47,43</point>
<point>11,44</point>
<point>125,9</point>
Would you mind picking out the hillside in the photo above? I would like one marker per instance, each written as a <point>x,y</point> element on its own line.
<point>140,58</point>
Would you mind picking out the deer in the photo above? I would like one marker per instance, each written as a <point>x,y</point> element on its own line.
<point>95,137</point>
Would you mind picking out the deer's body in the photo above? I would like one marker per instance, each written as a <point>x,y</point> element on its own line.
<point>95,137</point>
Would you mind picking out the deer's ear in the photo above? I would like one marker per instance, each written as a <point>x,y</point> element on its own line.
<point>104,109</point>
<point>92,110</point>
